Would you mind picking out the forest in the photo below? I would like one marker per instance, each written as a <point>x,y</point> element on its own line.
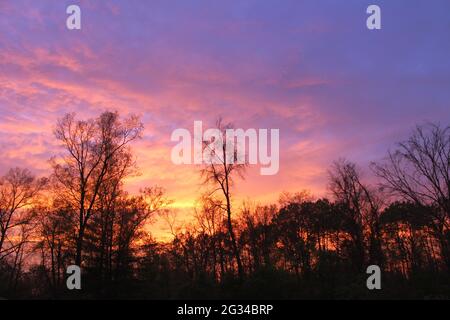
<point>395,214</point>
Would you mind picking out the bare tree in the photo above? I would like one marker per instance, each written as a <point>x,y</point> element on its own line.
<point>219,173</point>
<point>419,171</point>
<point>210,219</point>
<point>286,198</point>
<point>18,190</point>
<point>110,199</point>
<point>91,148</point>
<point>363,207</point>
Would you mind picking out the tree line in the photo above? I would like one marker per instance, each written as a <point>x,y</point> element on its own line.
<point>301,247</point>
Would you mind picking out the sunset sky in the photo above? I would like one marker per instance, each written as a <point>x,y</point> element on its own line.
<point>309,68</point>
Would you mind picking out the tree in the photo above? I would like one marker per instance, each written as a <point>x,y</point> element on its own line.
<point>92,149</point>
<point>110,203</point>
<point>406,227</point>
<point>18,190</point>
<point>219,172</point>
<point>363,210</point>
<point>132,215</point>
<point>210,219</point>
<point>257,233</point>
<point>55,229</point>
<point>418,170</point>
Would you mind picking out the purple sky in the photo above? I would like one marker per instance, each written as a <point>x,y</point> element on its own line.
<point>310,68</point>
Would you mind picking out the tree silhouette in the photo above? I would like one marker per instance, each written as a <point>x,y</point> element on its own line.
<point>219,172</point>
<point>300,247</point>
<point>419,171</point>
<point>92,148</point>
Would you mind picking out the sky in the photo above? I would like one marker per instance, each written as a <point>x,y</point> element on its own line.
<point>309,68</point>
